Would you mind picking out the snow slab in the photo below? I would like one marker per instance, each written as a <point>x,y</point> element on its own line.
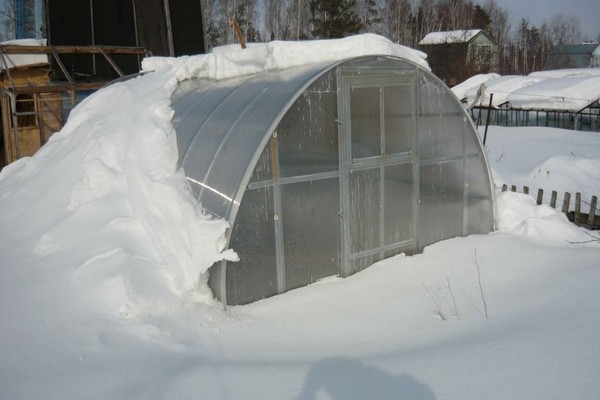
<point>565,94</point>
<point>473,82</point>
<point>501,87</point>
<point>21,60</point>
<point>566,73</point>
<point>102,291</point>
<point>460,36</point>
<point>231,61</point>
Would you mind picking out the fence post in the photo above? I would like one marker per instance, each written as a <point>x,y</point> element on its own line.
<point>577,216</point>
<point>553,199</point>
<point>540,197</point>
<point>566,203</point>
<point>592,214</point>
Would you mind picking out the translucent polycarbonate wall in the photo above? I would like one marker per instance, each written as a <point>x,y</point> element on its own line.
<point>336,166</point>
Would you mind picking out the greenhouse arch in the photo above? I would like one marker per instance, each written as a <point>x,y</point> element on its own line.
<point>325,169</point>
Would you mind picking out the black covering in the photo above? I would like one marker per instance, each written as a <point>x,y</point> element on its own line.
<point>129,23</point>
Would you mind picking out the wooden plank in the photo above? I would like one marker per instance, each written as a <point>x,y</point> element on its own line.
<point>577,216</point>
<point>65,87</point>
<point>540,197</point>
<point>12,49</point>
<point>592,214</point>
<point>566,203</point>
<point>553,199</point>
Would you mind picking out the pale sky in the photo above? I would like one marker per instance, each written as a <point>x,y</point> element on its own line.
<point>538,11</point>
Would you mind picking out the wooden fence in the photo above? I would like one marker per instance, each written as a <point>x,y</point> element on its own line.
<point>589,220</point>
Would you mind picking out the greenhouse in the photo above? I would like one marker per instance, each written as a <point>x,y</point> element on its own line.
<point>325,169</point>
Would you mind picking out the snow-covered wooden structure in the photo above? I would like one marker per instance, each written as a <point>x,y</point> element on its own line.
<point>326,168</point>
<point>33,105</point>
<point>457,55</point>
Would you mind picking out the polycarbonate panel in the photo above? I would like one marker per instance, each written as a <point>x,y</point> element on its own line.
<point>361,263</point>
<point>311,231</point>
<point>440,136</point>
<point>364,210</point>
<point>222,135</point>
<point>479,200</point>
<point>398,203</point>
<point>308,133</point>
<point>365,122</point>
<point>398,117</point>
<point>441,202</point>
<point>263,171</point>
<point>253,238</point>
<point>435,97</point>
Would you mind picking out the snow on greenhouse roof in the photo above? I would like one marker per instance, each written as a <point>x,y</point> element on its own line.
<point>21,60</point>
<point>461,36</point>
<point>560,90</point>
<point>567,73</point>
<point>231,61</point>
<point>461,89</point>
<point>567,94</point>
<point>501,87</point>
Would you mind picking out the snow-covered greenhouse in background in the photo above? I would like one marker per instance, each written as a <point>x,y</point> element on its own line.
<point>564,98</point>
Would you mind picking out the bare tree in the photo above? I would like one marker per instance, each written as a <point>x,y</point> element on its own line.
<point>8,21</point>
<point>500,31</point>
<point>398,20</point>
<point>276,24</point>
<point>298,17</point>
<point>564,29</point>
<point>370,16</point>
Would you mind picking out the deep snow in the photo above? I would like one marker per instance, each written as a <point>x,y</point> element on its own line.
<point>102,255</point>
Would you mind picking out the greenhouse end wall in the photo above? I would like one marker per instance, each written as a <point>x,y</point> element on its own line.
<point>371,158</point>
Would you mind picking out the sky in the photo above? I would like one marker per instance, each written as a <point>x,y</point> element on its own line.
<point>538,11</point>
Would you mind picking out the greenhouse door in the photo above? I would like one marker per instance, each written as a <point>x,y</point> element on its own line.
<point>377,167</point>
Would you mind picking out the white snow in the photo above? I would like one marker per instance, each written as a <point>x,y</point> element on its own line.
<point>559,90</point>
<point>102,247</point>
<point>501,87</point>
<point>230,61</point>
<point>473,82</point>
<point>21,60</point>
<point>567,73</point>
<point>566,94</point>
<point>460,36</point>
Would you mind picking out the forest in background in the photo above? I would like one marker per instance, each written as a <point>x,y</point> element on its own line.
<point>522,49</point>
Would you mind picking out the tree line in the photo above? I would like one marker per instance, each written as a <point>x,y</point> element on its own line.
<point>521,50</point>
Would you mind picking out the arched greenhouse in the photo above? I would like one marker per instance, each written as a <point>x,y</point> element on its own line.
<point>327,168</point>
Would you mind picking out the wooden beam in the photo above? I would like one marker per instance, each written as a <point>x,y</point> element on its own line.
<point>12,49</point>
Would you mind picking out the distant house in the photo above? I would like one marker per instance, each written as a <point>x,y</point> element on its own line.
<point>457,55</point>
<point>585,55</point>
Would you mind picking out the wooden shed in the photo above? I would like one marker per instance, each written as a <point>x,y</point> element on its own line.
<point>33,105</point>
<point>457,55</point>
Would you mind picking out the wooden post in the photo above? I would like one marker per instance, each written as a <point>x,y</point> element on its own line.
<point>513,188</point>
<point>577,216</point>
<point>553,199</point>
<point>540,196</point>
<point>505,187</point>
<point>592,214</point>
<point>240,36</point>
<point>526,189</point>
<point>566,203</point>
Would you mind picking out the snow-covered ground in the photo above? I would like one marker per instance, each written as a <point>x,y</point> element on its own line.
<point>101,248</point>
